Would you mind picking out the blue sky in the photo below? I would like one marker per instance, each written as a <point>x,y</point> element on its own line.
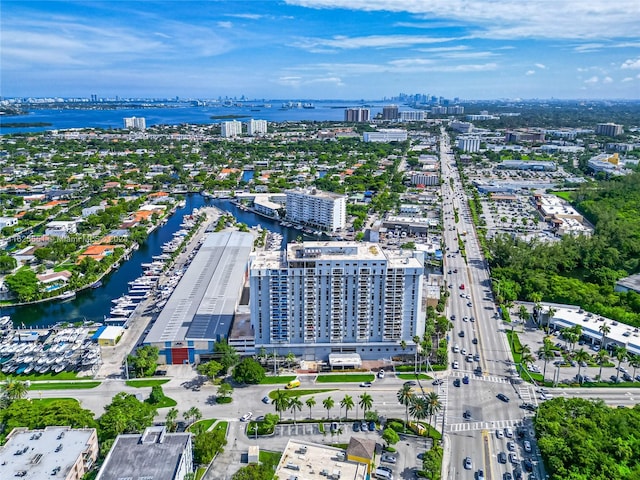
<point>334,49</point>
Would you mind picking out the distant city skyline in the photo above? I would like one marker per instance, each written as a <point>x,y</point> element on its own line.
<point>321,49</point>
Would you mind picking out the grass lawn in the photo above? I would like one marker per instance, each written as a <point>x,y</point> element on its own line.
<point>413,376</point>
<point>63,385</point>
<point>348,377</point>
<point>270,458</point>
<point>35,377</point>
<point>200,472</point>
<point>164,402</point>
<point>46,401</point>
<point>145,383</point>
<point>284,379</point>
<point>564,195</point>
<point>300,393</point>
<point>202,424</point>
<point>221,426</point>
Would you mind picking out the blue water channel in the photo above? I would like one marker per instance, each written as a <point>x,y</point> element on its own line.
<point>94,304</point>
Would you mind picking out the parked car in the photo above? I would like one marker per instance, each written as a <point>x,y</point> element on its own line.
<point>410,383</point>
<point>388,458</point>
<point>437,381</point>
<point>356,426</point>
<point>372,426</point>
<point>246,417</point>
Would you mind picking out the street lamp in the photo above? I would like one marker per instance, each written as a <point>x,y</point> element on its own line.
<point>255,430</point>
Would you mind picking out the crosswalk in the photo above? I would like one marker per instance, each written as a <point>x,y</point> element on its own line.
<point>526,393</point>
<point>482,378</point>
<point>472,426</point>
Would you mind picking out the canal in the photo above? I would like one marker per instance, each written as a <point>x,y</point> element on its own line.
<point>94,304</point>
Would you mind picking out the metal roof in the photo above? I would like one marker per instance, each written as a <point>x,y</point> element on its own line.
<point>203,304</point>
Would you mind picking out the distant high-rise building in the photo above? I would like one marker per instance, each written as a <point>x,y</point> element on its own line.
<point>609,129</point>
<point>94,97</point>
<point>455,110</point>
<point>320,210</point>
<point>385,135</point>
<point>256,127</point>
<point>413,116</point>
<point>356,115</point>
<point>469,144</point>
<point>462,127</point>
<point>231,129</point>
<point>337,297</point>
<point>436,110</point>
<point>390,112</point>
<point>137,123</point>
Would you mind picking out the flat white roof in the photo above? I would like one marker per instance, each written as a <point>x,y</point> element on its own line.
<point>622,334</point>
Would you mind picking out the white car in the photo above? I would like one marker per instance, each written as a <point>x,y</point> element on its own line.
<point>527,446</point>
<point>246,417</point>
<point>499,433</point>
<point>455,365</point>
<point>508,432</point>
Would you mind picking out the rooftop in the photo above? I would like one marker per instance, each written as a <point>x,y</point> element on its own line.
<point>316,462</point>
<point>153,455</point>
<point>203,304</point>
<point>42,451</point>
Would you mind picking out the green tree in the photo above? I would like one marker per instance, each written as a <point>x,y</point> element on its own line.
<point>228,356</point>
<point>602,357</point>
<point>157,395</point>
<point>24,285</point>
<point>604,329</point>
<point>366,403</point>
<point>295,404</point>
<point>249,371</point>
<point>418,408</point>
<point>171,419</point>
<point>390,436</point>
<point>581,356</point>
<point>347,403</point>
<point>145,360</point>
<point>546,353</point>
<point>310,402</point>
<point>125,414</point>
<point>405,395</point>
<point>620,353</point>
<point>328,404</point>
<point>209,369</point>
<point>192,415</point>
<point>207,444</point>
<point>7,263</point>
<point>224,390</point>
<point>280,401</point>
<point>13,389</point>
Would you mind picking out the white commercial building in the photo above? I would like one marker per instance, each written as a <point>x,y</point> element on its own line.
<point>426,178</point>
<point>231,129</point>
<point>469,144</point>
<point>337,297</point>
<point>256,127</point>
<point>138,123</point>
<point>61,228</point>
<point>386,135</point>
<point>413,116</point>
<point>325,211</point>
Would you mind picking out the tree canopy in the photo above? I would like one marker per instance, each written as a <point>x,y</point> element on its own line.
<point>586,439</point>
<point>249,371</point>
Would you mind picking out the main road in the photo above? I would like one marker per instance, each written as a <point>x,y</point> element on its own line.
<point>479,349</point>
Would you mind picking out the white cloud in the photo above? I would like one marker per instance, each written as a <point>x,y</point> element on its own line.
<point>249,16</point>
<point>627,79</point>
<point>631,64</point>
<point>541,66</point>
<point>510,19</point>
<point>372,41</point>
<point>225,24</point>
<point>607,80</point>
<point>530,72</point>
<point>592,80</point>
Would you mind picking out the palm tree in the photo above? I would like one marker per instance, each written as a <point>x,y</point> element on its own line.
<point>604,329</point>
<point>366,402</point>
<point>621,354</point>
<point>416,341</point>
<point>310,402</point>
<point>634,362</point>
<point>170,421</point>
<point>550,314</point>
<point>280,402</point>
<point>523,314</point>
<point>419,408</point>
<point>581,356</point>
<point>546,353</point>
<point>434,405</point>
<point>405,395</point>
<point>295,404</point>
<point>13,389</point>
<point>601,358</point>
<point>328,403</point>
<point>347,404</point>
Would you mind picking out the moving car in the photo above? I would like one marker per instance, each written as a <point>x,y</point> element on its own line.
<point>411,383</point>
<point>527,446</point>
<point>365,384</point>
<point>437,381</point>
<point>381,374</point>
<point>503,397</point>
<point>508,432</point>
<point>388,458</point>
<point>467,463</point>
<point>266,400</point>
<point>499,433</point>
<point>456,382</point>
<point>502,457</point>
<point>246,417</point>
<point>467,415</point>
<point>455,365</point>
<point>465,379</point>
